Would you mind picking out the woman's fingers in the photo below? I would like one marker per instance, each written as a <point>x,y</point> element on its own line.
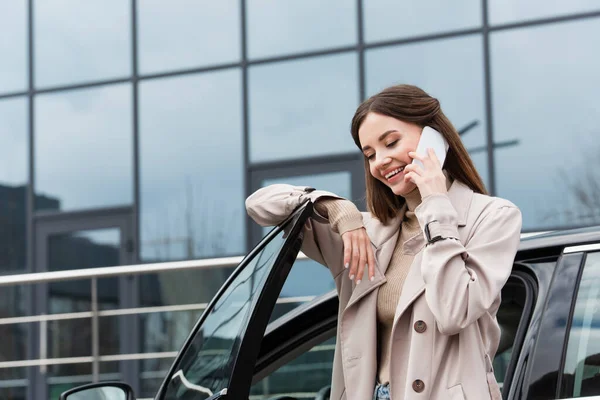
<point>347,238</point>
<point>362,259</point>
<point>355,257</point>
<point>358,255</point>
<point>434,159</point>
<point>370,260</point>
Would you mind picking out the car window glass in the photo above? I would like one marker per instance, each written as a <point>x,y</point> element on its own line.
<point>509,315</point>
<point>205,367</point>
<point>303,378</point>
<point>307,280</point>
<point>581,374</point>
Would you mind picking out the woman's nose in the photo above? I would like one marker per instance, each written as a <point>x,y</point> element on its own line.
<point>383,161</point>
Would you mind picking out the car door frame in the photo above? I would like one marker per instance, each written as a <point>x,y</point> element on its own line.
<point>243,364</point>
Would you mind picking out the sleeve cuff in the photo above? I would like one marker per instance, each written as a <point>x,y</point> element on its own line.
<point>437,212</point>
<point>342,214</point>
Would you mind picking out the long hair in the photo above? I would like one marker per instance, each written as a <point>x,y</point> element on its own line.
<point>411,104</point>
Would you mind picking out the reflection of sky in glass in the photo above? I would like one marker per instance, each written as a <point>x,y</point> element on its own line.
<point>392,19</point>
<point>584,337</point>
<point>546,86</point>
<point>13,67</point>
<point>191,166</point>
<point>302,108</point>
<point>109,236</point>
<point>13,141</point>
<point>84,147</point>
<point>450,70</point>
<point>293,26</point>
<point>506,11</point>
<point>206,362</point>
<point>78,40</point>
<point>179,34</point>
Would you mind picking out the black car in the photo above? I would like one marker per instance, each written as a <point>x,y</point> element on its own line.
<point>250,345</point>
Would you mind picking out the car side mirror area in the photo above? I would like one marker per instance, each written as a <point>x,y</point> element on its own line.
<point>100,391</point>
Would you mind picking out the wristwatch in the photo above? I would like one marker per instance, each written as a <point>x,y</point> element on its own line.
<point>437,237</point>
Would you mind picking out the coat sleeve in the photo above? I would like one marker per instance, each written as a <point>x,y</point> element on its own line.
<point>271,205</point>
<point>462,282</point>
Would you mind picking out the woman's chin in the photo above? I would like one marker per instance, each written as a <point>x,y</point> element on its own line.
<point>402,189</point>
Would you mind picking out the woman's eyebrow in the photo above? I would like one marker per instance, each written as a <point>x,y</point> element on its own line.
<point>381,137</point>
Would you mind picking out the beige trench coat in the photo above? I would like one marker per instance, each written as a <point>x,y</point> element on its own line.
<point>445,331</point>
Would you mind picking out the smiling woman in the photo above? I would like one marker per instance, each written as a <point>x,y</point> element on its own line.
<point>419,275</point>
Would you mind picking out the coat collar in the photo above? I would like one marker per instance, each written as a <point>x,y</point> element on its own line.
<point>384,238</point>
<point>460,196</point>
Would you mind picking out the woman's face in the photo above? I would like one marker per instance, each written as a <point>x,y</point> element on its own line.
<point>386,142</point>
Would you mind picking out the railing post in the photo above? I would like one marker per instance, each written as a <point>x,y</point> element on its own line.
<point>95,333</point>
<point>43,345</point>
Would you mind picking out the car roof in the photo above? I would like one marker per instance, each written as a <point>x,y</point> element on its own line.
<point>561,238</point>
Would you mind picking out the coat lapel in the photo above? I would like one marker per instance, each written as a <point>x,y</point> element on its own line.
<point>460,197</point>
<point>383,241</point>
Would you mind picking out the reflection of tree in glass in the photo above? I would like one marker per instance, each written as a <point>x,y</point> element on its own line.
<point>194,222</point>
<point>581,181</point>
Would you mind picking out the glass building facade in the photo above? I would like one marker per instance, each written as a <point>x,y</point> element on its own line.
<point>131,131</point>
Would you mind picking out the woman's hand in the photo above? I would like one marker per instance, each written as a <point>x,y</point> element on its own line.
<point>358,254</point>
<point>431,179</point>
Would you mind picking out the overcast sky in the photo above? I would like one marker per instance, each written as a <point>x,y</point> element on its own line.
<point>544,80</point>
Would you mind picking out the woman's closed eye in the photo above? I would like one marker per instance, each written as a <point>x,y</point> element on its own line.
<point>392,143</point>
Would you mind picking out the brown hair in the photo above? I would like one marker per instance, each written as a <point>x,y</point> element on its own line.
<point>411,104</point>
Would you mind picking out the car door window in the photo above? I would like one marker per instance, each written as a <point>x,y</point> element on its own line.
<point>303,378</point>
<point>208,361</point>
<point>581,376</point>
<point>510,313</point>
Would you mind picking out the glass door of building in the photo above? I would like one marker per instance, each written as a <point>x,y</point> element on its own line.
<point>343,176</point>
<point>77,337</point>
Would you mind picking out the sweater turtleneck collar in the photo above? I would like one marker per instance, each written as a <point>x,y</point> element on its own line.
<point>413,199</point>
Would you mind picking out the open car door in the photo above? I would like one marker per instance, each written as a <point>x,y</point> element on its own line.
<point>218,358</point>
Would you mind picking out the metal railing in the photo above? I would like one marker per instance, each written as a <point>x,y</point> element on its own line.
<point>94,274</point>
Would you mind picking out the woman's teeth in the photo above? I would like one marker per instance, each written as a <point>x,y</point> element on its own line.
<point>394,172</point>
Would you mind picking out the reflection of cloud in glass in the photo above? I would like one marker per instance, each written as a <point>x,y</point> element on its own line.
<point>13,67</point>
<point>545,83</point>
<point>302,108</point>
<point>450,70</point>
<point>504,11</point>
<point>77,40</point>
<point>191,166</point>
<point>83,147</point>
<point>392,19</point>
<point>293,26</point>
<point>182,34</point>
<point>13,141</point>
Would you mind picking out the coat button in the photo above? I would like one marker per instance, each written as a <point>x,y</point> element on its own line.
<point>420,326</point>
<point>418,386</point>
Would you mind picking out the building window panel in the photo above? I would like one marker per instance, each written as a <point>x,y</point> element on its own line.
<point>283,27</point>
<point>14,171</point>
<point>13,68</point>
<point>191,166</point>
<point>392,19</point>
<point>450,70</point>
<point>78,41</point>
<point>302,108</point>
<point>184,34</point>
<point>84,149</point>
<point>546,86</point>
<point>509,11</point>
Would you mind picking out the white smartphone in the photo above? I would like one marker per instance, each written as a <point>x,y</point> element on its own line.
<point>430,138</point>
